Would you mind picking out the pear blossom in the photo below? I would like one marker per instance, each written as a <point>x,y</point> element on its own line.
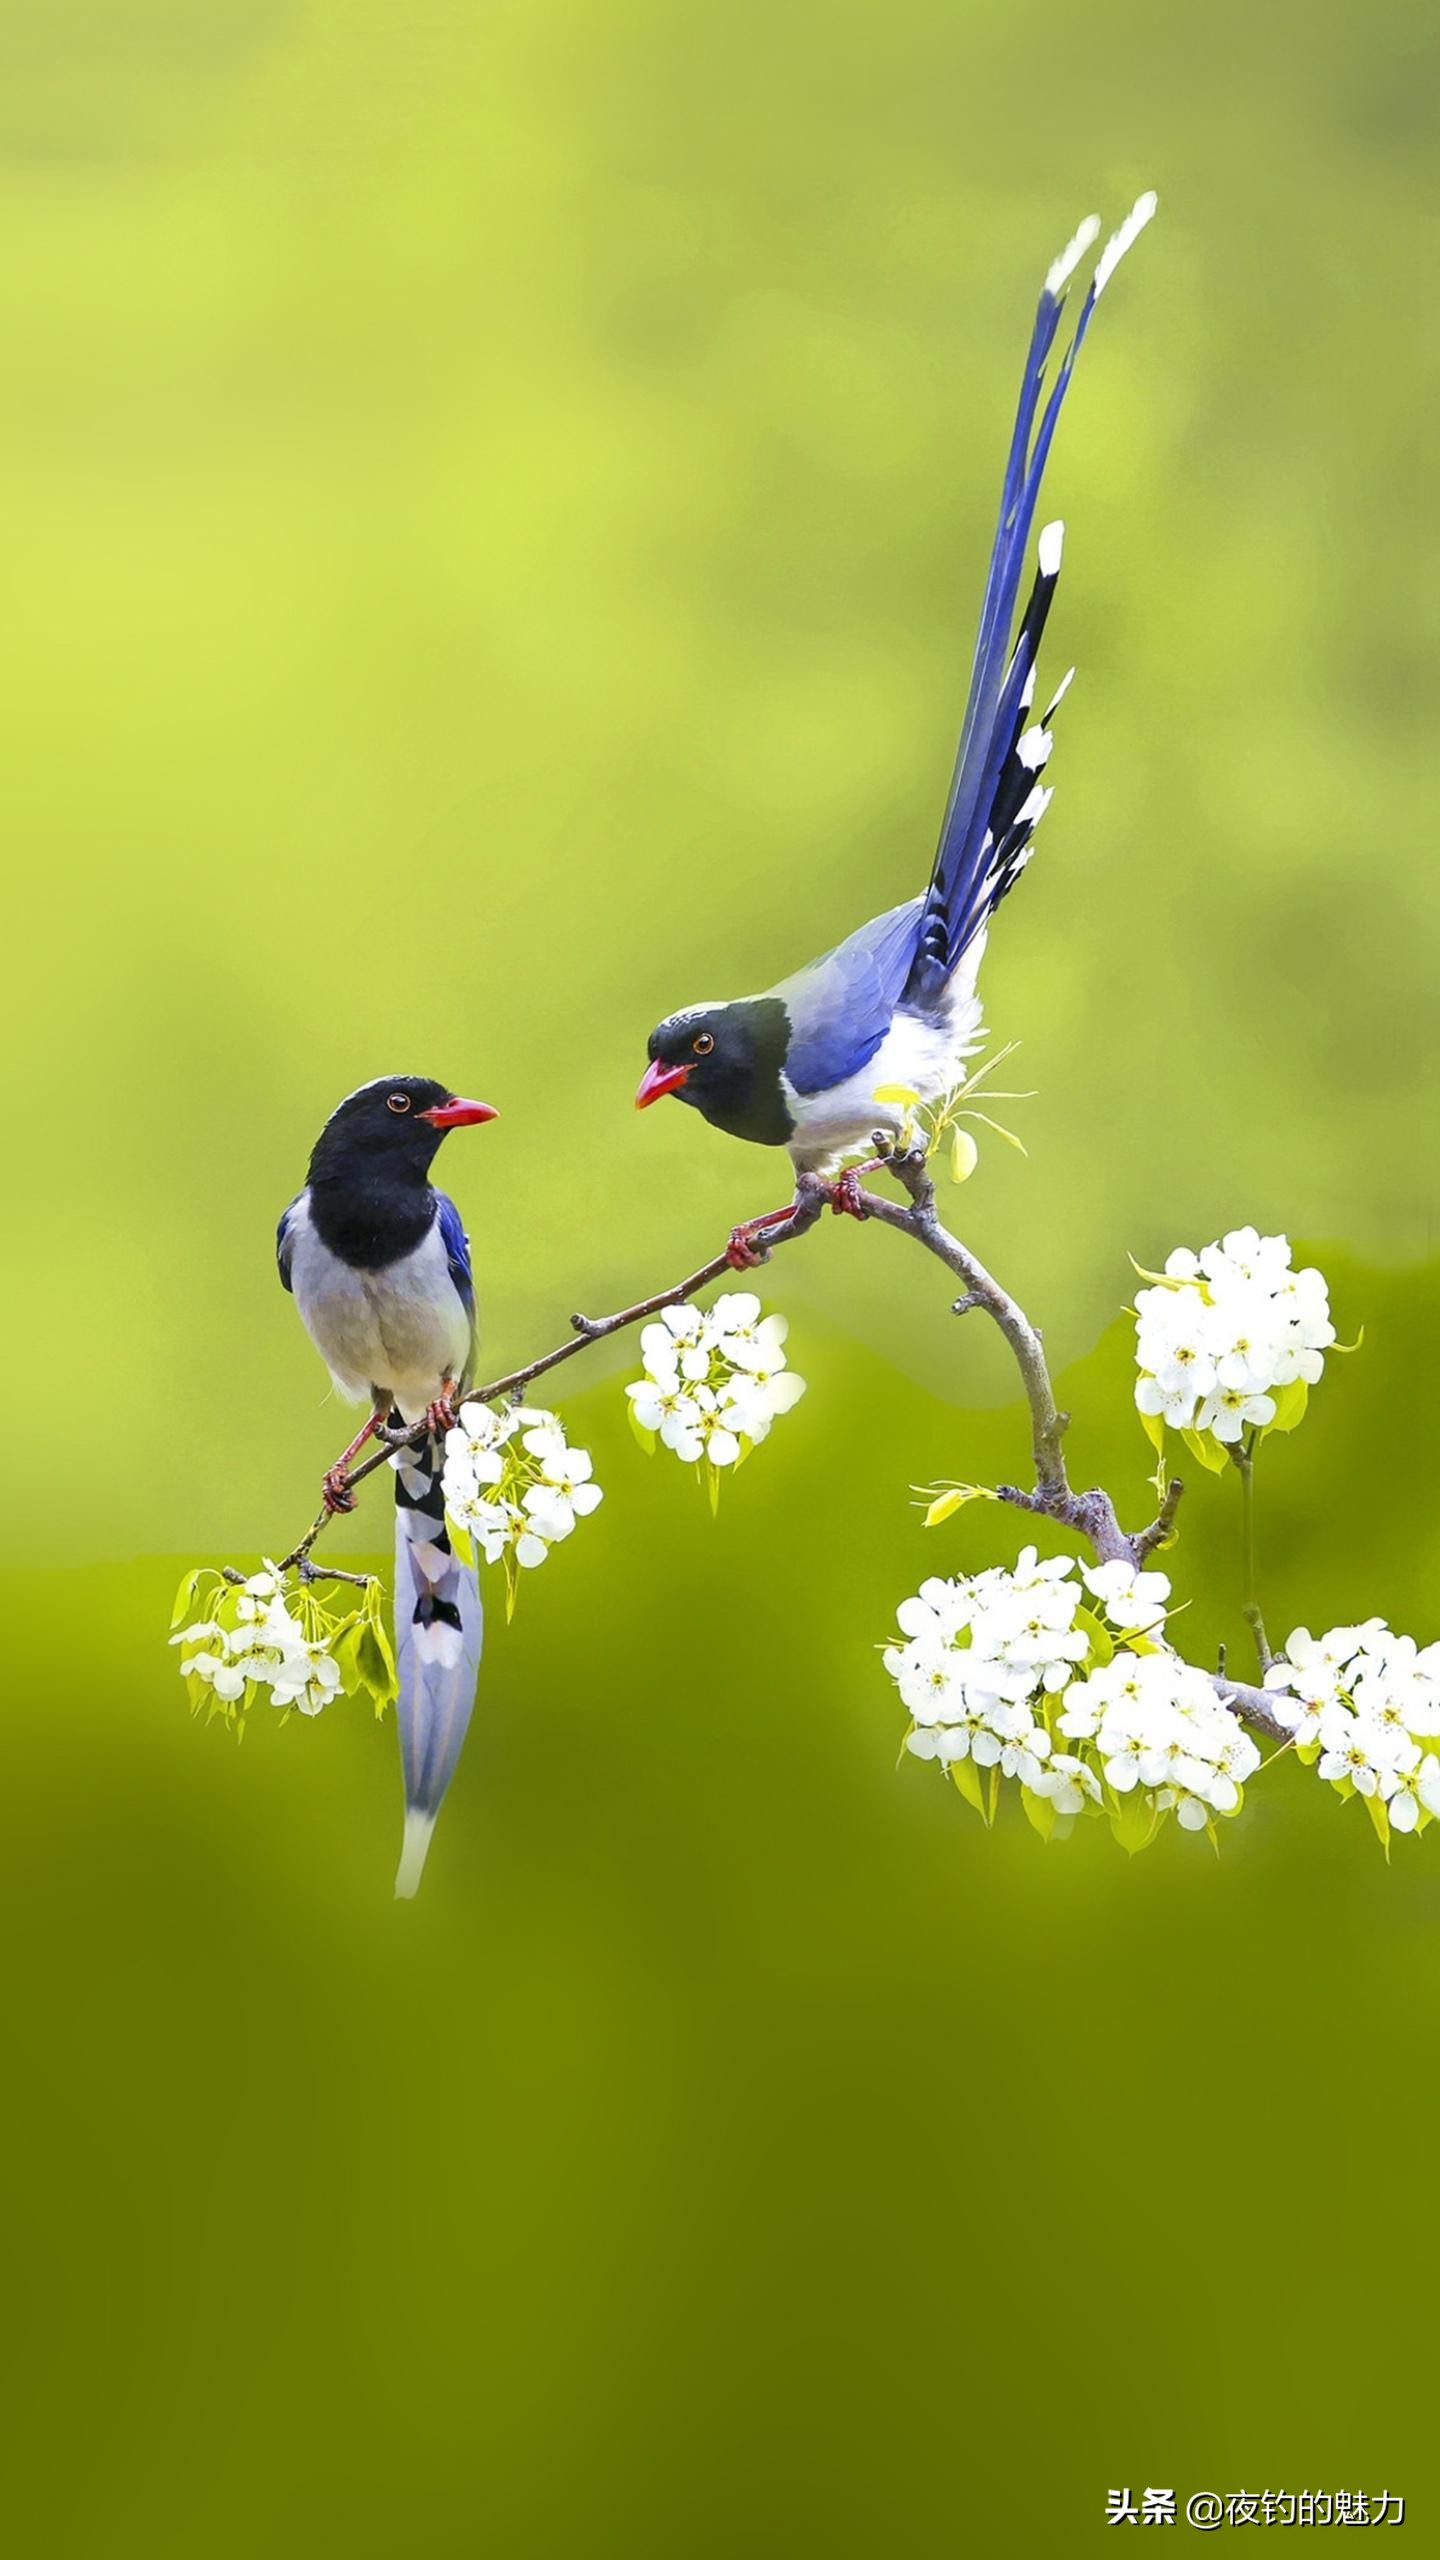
<point>1068,1782</point>
<point>565,1492</point>
<point>1131,1600</point>
<point>1003,1667</point>
<point>1006,1669</point>
<point>1219,1331</point>
<point>713,1380</point>
<point>1363,1703</point>
<point>269,1636</point>
<point>1229,1412</point>
<point>514,1485</point>
<point>1356,1748</point>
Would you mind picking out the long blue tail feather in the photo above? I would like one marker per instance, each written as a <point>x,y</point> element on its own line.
<point>439,1627</point>
<point>983,842</point>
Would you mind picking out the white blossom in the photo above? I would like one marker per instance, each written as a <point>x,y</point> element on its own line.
<point>713,1379</point>
<point>1070,1783</point>
<point>1131,1600</point>
<point>268,1636</point>
<point>1002,1668</point>
<point>1362,1703</point>
<point>1223,1329</point>
<point>514,1485</point>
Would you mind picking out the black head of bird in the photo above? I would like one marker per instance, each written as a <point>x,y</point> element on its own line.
<point>725,1061</point>
<point>394,1126</point>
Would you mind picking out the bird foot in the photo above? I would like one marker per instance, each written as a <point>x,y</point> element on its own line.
<point>441,1416</point>
<point>335,1486</point>
<point>846,1198</point>
<point>745,1251</point>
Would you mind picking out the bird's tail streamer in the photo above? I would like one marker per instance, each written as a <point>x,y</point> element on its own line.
<point>995,799</point>
<point>438,1631</point>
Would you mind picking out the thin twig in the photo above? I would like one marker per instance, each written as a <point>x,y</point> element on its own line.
<point>1158,1533</point>
<point>1253,1706</point>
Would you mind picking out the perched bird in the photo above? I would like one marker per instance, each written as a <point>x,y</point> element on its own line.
<point>896,1004</point>
<point>379,1265</point>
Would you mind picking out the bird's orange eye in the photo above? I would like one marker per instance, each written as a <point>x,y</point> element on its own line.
<point>397,1101</point>
<point>703,1043</point>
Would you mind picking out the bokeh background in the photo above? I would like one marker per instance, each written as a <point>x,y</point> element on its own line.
<point>493,502</point>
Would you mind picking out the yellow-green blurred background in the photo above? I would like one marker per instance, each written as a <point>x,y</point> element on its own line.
<point>493,501</point>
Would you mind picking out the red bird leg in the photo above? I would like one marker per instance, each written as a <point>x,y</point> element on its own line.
<point>335,1484</point>
<point>440,1416</point>
<point>741,1252</point>
<point>845,1197</point>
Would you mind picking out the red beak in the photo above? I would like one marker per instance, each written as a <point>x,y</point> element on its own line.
<point>458,1115</point>
<point>657,1080</point>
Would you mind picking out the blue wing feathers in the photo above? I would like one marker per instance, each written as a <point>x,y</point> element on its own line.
<point>457,1251</point>
<point>840,1008</point>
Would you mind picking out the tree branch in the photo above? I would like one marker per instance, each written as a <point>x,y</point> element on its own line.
<point>1091,1515</point>
<point>811,1199</point>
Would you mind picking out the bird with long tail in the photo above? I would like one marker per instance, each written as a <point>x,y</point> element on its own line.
<point>816,1063</point>
<point>378,1262</point>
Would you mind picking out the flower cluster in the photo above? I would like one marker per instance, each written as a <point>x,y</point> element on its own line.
<point>1064,1683</point>
<point>265,1635</point>
<point>1159,1731</point>
<point>714,1380</point>
<point>1364,1704</point>
<point>1223,1334</point>
<point>513,1484</point>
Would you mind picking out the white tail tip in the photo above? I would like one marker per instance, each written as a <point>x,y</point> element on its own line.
<point>414,1852</point>
<point>1052,543</point>
<point>1125,238</point>
<point>1072,253</point>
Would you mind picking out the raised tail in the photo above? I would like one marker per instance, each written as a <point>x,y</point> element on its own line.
<point>995,800</point>
<point>438,1631</point>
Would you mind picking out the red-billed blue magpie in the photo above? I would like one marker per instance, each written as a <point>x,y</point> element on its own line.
<point>379,1264</point>
<point>896,1004</point>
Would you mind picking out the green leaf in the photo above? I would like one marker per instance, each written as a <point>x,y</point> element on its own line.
<point>968,1779</point>
<point>964,1155</point>
<point>1007,1134</point>
<point>1153,1426</point>
<point>1102,1644</point>
<point>649,1440</point>
<point>1290,1404</point>
<point>461,1541</point>
<point>713,1487</point>
<point>376,1663</point>
<point>185,1596</point>
<point>1167,1279</point>
<point>1381,1820</point>
<point>946,1504</point>
<point>1039,1812</point>
<point>346,1652</point>
<point>1133,1822</point>
<point>1207,1451</point>
<point>1345,1348</point>
<point>904,1094</point>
